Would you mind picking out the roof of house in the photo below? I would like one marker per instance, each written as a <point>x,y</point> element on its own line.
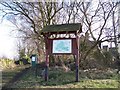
<point>62,28</point>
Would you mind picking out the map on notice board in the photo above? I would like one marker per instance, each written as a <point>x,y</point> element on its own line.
<point>62,46</point>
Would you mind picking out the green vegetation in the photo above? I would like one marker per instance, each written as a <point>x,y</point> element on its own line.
<point>7,63</point>
<point>8,74</point>
<point>61,79</point>
<point>90,77</point>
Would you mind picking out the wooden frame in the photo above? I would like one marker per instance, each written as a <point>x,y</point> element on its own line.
<point>74,48</point>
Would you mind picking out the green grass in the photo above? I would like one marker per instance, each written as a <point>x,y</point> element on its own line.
<point>8,74</point>
<point>60,79</point>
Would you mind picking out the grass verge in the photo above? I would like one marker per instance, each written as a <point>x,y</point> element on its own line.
<point>60,79</point>
<point>8,74</point>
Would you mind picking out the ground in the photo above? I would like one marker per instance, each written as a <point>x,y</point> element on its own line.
<point>92,78</point>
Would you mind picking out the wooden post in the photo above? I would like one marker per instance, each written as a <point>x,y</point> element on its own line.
<point>77,59</point>
<point>47,58</point>
<point>46,67</point>
<point>77,69</point>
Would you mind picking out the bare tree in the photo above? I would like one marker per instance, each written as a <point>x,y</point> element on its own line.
<point>101,15</point>
<point>31,17</point>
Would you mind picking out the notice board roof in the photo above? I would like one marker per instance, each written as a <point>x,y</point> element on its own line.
<point>58,28</point>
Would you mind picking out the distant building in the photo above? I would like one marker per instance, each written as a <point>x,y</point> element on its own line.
<point>105,48</point>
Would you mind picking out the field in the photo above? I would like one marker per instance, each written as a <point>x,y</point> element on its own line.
<point>58,78</point>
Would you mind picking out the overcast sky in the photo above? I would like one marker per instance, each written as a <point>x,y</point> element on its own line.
<point>7,41</point>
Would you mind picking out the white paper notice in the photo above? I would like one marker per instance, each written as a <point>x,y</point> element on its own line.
<point>33,58</point>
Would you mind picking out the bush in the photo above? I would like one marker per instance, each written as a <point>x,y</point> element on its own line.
<point>24,60</point>
<point>108,58</point>
<point>105,58</point>
<point>52,61</point>
<point>17,62</point>
<point>7,63</point>
<point>72,66</point>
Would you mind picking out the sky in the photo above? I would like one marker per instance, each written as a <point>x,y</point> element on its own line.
<point>7,41</point>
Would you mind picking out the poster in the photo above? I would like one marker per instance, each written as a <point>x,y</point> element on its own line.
<point>62,46</point>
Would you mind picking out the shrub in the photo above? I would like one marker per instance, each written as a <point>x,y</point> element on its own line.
<point>104,58</point>
<point>107,60</point>
<point>7,63</point>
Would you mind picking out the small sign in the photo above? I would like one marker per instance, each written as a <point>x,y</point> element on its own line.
<point>62,46</point>
<point>33,58</point>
